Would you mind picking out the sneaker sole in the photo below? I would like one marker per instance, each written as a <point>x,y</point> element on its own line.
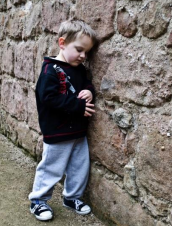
<point>42,218</point>
<point>78,212</point>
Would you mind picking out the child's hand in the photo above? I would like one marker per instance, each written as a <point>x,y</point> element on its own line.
<point>86,94</point>
<point>89,110</point>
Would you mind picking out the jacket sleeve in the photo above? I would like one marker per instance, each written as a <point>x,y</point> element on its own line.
<point>48,92</point>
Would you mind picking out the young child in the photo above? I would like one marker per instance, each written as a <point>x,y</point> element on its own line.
<point>64,96</point>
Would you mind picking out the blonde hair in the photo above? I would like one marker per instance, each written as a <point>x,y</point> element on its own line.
<point>71,28</point>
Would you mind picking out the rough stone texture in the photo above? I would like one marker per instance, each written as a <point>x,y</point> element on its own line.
<point>32,111</point>
<point>13,99</point>
<point>117,155</point>
<point>122,118</point>
<point>99,14</point>
<point>8,56</point>
<point>32,26</point>
<point>135,75</point>
<point>116,204</point>
<point>26,138</point>
<point>24,56</point>
<point>155,18</point>
<point>130,134</point>
<point>41,50</point>
<point>3,5</point>
<point>15,2</point>
<point>127,24</point>
<point>130,179</point>
<point>51,18</point>
<point>169,41</point>
<point>154,155</point>
<point>15,23</point>
<point>2,25</point>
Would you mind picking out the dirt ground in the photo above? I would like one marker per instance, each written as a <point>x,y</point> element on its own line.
<point>16,178</point>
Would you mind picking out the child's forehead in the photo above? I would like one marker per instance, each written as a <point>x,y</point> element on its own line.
<point>82,38</point>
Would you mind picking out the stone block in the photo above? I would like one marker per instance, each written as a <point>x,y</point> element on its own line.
<point>154,19</point>
<point>24,57</point>
<point>108,144</point>
<point>27,138</point>
<point>157,207</point>
<point>159,223</point>
<point>169,40</point>
<point>9,4</point>
<point>13,99</point>
<point>17,2</point>
<point>131,141</point>
<point>16,20</point>
<point>8,58</point>
<point>32,110</point>
<point>130,179</point>
<point>99,14</point>
<point>138,77</point>
<point>3,19</point>
<point>42,46</point>
<point>10,128</point>
<point>114,203</point>
<point>126,23</point>
<point>53,13</point>
<point>32,26</point>
<point>53,48</point>
<point>15,23</point>
<point>4,127</point>
<point>1,52</point>
<point>153,160</point>
<point>122,117</point>
<point>39,147</point>
<point>100,61</point>
<point>18,99</point>
<point>3,5</point>
<point>20,133</point>
<point>46,46</point>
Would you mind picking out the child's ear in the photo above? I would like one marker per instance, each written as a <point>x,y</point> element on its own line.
<point>61,42</point>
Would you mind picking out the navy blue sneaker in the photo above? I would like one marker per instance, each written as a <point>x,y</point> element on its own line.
<point>77,205</point>
<point>42,211</point>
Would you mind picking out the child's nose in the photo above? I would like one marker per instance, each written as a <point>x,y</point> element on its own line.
<point>82,54</point>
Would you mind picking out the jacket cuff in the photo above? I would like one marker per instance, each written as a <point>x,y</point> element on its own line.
<point>82,106</point>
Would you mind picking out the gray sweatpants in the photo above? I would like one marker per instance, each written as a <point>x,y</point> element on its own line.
<point>70,158</point>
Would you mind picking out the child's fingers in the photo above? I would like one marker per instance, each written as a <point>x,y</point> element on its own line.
<point>82,96</point>
<point>85,94</point>
<point>88,100</point>
<point>89,105</point>
<point>82,92</point>
<point>88,113</point>
<point>90,110</point>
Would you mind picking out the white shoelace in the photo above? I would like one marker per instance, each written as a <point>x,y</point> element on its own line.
<point>78,203</point>
<point>41,207</point>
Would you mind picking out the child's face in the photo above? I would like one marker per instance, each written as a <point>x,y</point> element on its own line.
<point>75,52</point>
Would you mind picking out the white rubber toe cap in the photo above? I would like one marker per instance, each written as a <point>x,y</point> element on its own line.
<point>47,215</point>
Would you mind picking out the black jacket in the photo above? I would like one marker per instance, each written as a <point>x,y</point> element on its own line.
<point>61,113</point>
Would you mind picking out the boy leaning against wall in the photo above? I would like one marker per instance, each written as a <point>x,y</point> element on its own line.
<point>64,102</point>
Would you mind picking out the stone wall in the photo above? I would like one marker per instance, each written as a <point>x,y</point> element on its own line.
<point>130,134</point>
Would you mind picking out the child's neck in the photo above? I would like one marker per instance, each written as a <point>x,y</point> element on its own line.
<point>60,57</point>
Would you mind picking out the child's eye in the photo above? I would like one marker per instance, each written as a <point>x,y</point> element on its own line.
<point>79,50</point>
